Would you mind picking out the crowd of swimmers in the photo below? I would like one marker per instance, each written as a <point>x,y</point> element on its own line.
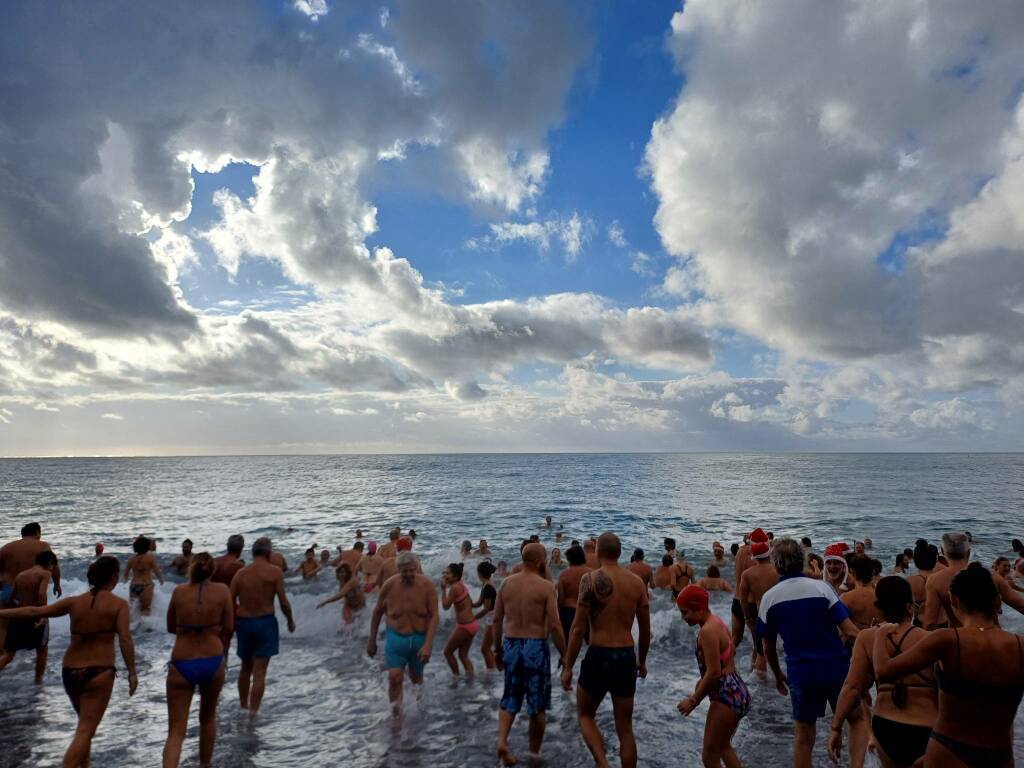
<point>914,664</point>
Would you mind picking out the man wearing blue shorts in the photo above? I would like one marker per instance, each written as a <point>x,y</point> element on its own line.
<point>253,590</point>
<point>409,600</point>
<point>809,617</point>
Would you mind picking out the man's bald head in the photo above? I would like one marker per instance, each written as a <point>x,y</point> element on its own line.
<point>608,546</point>
<point>534,555</point>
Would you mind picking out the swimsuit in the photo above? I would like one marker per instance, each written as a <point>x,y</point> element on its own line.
<point>730,689</point>
<point>27,634</point>
<point>488,594</point>
<point>198,671</point>
<point>527,663</point>
<point>1009,694</point>
<point>737,609</point>
<point>5,593</point>
<point>136,590</point>
<point>76,678</point>
<point>401,651</point>
<point>474,626</point>
<point>609,670</point>
<point>257,637</point>
<point>902,742</point>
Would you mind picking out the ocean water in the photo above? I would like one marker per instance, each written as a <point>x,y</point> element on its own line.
<point>326,702</point>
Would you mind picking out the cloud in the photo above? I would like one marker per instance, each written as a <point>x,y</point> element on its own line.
<point>573,233</point>
<point>617,235</point>
<point>112,417</point>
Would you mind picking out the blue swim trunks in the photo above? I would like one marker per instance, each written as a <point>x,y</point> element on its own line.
<point>527,675</point>
<point>257,637</point>
<point>810,690</point>
<point>401,651</point>
<point>5,593</point>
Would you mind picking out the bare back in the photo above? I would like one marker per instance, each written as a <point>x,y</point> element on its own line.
<point>19,555</point>
<point>529,604</point>
<point>30,586</point>
<point>614,597</point>
<point>757,579</point>
<point>96,620</point>
<point>569,585</point>
<point>225,567</point>
<point>199,614</point>
<point>254,587</point>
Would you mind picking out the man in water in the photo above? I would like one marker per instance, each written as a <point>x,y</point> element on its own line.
<point>388,566</point>
<point>938,610</point>
<point>743,558</point>
<point>526,611</point>
<point>757,579</point>
<point>253,590</point>
<point>640,568</point>
<point>276,558</point>
<point>409,600</point>
<point>611,598</point>
<point>182,561</point>
<point>20,555</point>
<point>547,521</point>
<point>718,554</point>
<point>354,555</point>
<point>808,615</point>
<point>30,634</point>
<point>390,549</point>
<point>226,566</point>
<point>309,567</point>
<point>369,567</point>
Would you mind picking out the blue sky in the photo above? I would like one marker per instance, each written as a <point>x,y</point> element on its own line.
<point>402,226</point>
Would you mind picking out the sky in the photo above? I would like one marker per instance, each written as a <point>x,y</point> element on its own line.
<point>314,226</point>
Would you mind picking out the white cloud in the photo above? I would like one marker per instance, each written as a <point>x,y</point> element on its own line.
<point>112,416</point>
<point>573,233</point>
<point>617,235</point>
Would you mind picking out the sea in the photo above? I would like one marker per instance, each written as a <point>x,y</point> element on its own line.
<point>326,701</point>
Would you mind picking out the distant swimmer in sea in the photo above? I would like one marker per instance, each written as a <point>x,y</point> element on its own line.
<point>30,589</point>
<point>349,590</point>
<point>611,600</point>
<point>140,569</point>
<point>98,550</point>
<point>502,571</point>
<point>904,711</point>
<point>713,581</point>
<point>641,568</point>
<point>547,521</point>
<point>568,587</point>
<point>227,565</point>
<point>409,601</point>
<point>483,548</point>
<point>719,682</point>
<point>485,615</point>
<point>97,617</point>
<point>718,555</point>
<point>20,555</point>
<point>979,669</point>
<point>310,566</point>
<point>524,617</point>
<point>466,550</point>
<point>182,561</point>
<point>369,566</point>
<point>455,594</point>
<point>252,593</point>
<point>666,575</point>
<point>199,616</point>
<point>590,554</point>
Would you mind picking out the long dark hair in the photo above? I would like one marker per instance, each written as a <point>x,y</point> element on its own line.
<point>102,572</point>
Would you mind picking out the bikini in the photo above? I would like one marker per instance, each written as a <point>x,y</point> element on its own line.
<point>902,742</point>
<point>75,679</point>
<point>203,670</point>
<point>731,690</point>
<point>474,626</point>
<point>1009,694</point>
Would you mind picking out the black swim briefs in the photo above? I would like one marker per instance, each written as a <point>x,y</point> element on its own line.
<point>737,609</point>
<point>609,670</point>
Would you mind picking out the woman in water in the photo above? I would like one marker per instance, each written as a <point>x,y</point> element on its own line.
<point>979,669</point>
<point>904,712</point>
<point>88,673</point>
<point>719,681</point>
<point>350,591</point>
<point>455,593</point>
<point>199,615</point>
<point>141,568</point>
<point>714,582</point>
<point>488,597</point>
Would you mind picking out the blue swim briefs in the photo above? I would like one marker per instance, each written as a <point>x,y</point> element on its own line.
<point>257,637</point>
<point>401,651</point>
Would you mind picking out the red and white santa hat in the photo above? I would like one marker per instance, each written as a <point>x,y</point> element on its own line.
<point>836,551</point>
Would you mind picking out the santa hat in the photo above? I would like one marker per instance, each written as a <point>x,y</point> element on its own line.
<point>404,544</point>
<point>756,535</point>
<point>836,551</point>
<point>693,597</point>
<point>760,550</point>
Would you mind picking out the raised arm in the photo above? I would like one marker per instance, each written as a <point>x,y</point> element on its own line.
<point>124,637</point>
<point>282,598</point>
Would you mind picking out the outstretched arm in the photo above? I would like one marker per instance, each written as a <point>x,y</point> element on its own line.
<point>60,608</point>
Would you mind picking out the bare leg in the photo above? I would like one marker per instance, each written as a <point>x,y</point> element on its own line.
<point>209,694</point>
<point>395,690</point>
<point>146,600</point>
<point>623,709</point>
<point>586,709</point>
<point>464,647</point>
<point>179,701</point>
<point>538,724</point>
<point>244,682</point>
<point>487,649</point>
<point>803,745</point>
<point>6,659</point>
<point>259,683</point>
<point>92,703</point>
<point>449,650</point>
<point>860,733</point>
<point>505,720</point>
<point>718,730</point>
<point>42,654</point>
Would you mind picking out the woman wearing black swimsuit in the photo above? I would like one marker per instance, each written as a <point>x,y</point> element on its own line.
<point>96,618</point>
<point>200,615</point>
<point>905,711</point>
<point>979,669</point>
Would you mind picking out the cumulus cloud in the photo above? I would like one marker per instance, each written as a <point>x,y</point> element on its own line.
<point>572,232</point>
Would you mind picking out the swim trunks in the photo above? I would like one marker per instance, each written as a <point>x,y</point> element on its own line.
<point>369,586</point>
<point>812,689</point>
<point>566,616</point>
<point>737,608</point>
<point>609,670</point>
<point>136,590</point>
<point>401,651</point>
<point>198,671</point>
<point>5,594</point>
<point>527,675</point>
<point>473,627</point>
<point>257,637</point>
<point>27,634</point>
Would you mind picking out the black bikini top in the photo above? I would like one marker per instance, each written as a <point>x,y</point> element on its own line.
<point>1009,694</point>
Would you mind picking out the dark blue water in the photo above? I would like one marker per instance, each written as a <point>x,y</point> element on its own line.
<point>326,703</point>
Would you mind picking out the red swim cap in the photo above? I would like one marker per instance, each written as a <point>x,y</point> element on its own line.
<point>404,544</point>
<point>693,597</point>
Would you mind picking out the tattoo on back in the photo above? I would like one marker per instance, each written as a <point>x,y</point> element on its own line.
<point>595,589</point>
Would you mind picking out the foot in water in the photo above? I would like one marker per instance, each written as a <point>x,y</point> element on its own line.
<point>506,756</point>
